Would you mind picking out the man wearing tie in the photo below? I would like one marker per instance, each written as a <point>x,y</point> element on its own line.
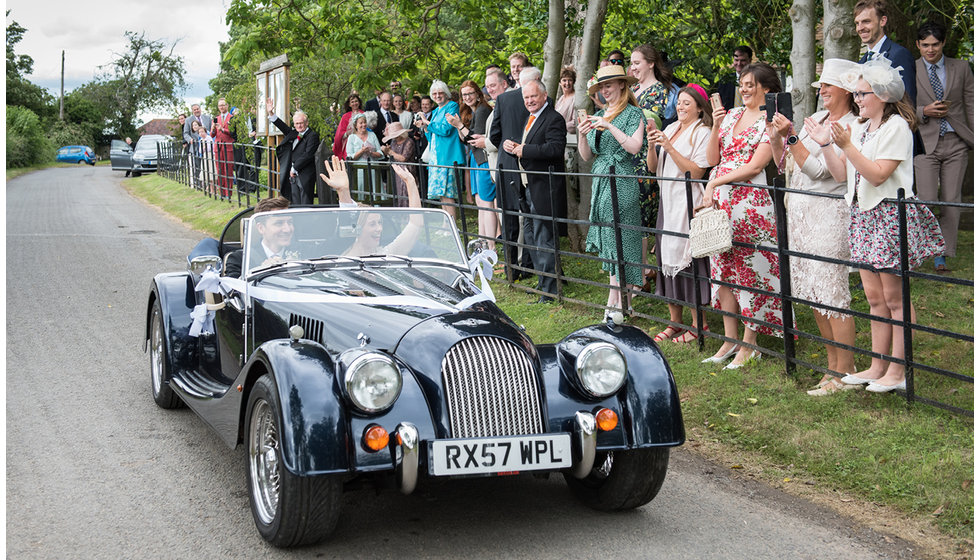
<point>542,148</point>
<point>945,109</point>
<point>385,113</point>
<point>296,154</point>
<point>510,117</point>
<point>728,88</point>
<point>869,22</point>
<point>224,149</point>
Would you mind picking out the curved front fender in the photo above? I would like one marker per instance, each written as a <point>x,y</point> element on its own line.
<point>314,427</point>
<point>649,400</point>
<point>175,292</point>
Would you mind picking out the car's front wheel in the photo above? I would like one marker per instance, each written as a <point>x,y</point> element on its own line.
<point>136,173</point>
<point>163,395</point>
<point>621,480</point>
<point>289,510</point>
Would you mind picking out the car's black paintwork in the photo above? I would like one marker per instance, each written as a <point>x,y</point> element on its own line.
<point>321,433</point>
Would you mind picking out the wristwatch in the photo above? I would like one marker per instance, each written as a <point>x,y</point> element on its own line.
<point>793,139</point>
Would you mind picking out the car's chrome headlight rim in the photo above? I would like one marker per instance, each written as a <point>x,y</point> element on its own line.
<point>373,382</point>
<point>601,369</point>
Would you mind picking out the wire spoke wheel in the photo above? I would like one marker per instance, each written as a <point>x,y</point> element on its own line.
<point>263,452</point>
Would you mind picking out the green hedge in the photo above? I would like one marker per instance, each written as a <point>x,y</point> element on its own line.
<point>26,142</point>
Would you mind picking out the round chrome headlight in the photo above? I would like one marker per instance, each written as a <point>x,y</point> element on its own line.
<point>601,368</point>
<point>373,382</point>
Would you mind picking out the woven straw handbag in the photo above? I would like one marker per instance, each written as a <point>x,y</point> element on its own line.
<point>711,233</point>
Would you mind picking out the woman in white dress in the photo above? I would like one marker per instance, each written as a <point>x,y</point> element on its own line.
<point>819,225</point>
<point>683,147</point>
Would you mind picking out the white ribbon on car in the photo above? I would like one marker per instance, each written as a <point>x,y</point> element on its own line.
<point>203,314</point>
<point>481,264</point>
<point>203,320</point>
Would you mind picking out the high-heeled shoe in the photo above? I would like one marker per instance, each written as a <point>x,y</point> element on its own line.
<point>717,360</point>
<point>755,354</point>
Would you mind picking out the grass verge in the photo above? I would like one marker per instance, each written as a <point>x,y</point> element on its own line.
<point>907,470</point>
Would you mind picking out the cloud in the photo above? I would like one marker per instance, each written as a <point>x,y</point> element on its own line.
<point>91,33</point>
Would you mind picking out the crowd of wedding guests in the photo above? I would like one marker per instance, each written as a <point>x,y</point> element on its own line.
<point>885,119</point>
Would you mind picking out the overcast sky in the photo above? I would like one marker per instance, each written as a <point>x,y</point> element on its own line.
<point>90,32</point>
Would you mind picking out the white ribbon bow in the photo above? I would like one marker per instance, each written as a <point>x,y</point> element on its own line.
<point>203,320</point>
<point>210,281</point>
<point>481,264</point>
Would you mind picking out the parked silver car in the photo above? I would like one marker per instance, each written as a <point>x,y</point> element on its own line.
<point>141,159</point>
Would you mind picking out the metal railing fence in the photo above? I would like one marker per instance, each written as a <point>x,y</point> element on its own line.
<point>257,178</point>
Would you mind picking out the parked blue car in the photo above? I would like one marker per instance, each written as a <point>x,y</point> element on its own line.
<point>76,154</point>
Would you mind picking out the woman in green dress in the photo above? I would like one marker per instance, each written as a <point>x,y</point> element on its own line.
<point>612,138</point>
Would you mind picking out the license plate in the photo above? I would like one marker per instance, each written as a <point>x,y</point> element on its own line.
<point>448,457</point>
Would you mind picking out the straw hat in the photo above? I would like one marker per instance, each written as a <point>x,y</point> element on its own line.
<point>833,71</point>
<point>394,130</point>
<point>611,72</point>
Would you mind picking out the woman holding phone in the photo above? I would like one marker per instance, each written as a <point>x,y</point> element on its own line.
<point>739,149</point>
<point>612,138</point>
<point>683,149</point>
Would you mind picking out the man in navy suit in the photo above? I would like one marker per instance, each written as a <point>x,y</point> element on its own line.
<point>869,22</point>
<point>510,117</point>
<point>541,148</point>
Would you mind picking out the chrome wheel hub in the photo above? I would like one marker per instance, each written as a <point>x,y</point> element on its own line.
<point>263,450</point>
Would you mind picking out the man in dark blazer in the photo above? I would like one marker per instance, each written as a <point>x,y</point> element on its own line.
<point>869,22</point>
<point>541,148</point>
<point>386,115</point>
<point>296,154</point>
<point>192,139</point>
<point>945,109</point>
<point>510,116</point>
<point>727,87</point>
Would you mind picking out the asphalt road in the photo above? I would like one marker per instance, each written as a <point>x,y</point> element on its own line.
<point>96,470</point>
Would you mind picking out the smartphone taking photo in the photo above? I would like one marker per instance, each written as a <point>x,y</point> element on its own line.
<point>779,103</point>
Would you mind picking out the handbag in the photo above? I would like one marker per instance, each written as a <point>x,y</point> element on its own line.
<point>426,156</point>
<point>711,233</point>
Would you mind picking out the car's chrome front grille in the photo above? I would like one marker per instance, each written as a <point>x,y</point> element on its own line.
<point>491,389</point>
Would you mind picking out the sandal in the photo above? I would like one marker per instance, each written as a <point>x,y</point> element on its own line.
<point>831,386</point>
<point>668,333</point>
<point>685,338</point>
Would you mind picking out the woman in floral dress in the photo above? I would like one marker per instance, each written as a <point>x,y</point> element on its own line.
<point>739,149</point>
<point>613,137</point>
<point>653,82</point>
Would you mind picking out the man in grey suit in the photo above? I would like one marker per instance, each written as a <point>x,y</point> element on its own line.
<point>945,109</point>
<point>193,140</point>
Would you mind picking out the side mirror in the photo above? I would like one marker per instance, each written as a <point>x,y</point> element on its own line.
<point>475,246</point>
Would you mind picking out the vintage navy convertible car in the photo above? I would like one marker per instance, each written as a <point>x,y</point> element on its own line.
<point>353,346</point>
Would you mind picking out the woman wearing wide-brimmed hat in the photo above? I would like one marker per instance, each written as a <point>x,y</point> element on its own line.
<point>612,138</point>
<point>819,225</point>
<point>400,150</point>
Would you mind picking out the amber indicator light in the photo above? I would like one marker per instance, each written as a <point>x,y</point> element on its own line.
<point>376,438</point>
<point>606,419</point>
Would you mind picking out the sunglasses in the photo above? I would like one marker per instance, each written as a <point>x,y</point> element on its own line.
<point>618,61</point>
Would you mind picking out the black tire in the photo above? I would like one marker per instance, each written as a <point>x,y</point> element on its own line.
<point>163,395</point>
<point>80,161</point>
<point>136,173</point>
<point>289,510</point>
<point>622,480</point>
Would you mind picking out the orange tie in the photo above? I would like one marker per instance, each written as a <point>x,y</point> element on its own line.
<point>530,121</point>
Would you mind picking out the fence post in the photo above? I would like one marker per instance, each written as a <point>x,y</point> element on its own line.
<point>785,285</point>
<point>698,314</point>
<point>620,265</point>
<point>559,275</point>
<point>461,184</point>
<point>903,255</point>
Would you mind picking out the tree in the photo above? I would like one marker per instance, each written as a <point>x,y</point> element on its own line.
<point>21,91</point>
<point>148,76</point>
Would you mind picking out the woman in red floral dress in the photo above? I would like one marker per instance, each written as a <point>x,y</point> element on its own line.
<point>739,149</point>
